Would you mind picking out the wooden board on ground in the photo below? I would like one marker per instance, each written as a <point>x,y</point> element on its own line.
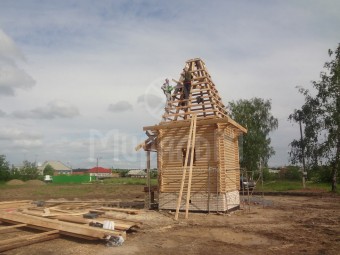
<point>123,210</point>
<point>118,225</point>
<point>17,242</point>
<point>13,226</point>
<point>65,228</point>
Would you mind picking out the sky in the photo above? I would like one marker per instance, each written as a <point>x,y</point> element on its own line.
<point>80,79</point>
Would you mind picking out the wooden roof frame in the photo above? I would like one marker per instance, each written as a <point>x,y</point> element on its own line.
<point>202,86</point>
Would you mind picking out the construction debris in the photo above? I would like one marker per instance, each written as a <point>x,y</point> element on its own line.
<point>91,220</point>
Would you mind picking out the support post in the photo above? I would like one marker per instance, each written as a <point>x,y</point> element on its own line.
<point>148,164</point>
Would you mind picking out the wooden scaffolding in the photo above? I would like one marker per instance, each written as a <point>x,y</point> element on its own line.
<point>202,88</point>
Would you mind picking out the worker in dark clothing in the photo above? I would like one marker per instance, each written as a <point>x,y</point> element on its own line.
<point>187,83</point>
<point>199,100</point>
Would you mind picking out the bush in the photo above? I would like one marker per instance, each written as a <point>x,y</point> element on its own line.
<point>267,176</point>
<point>290,173</point>
<point>123,173</point>
<point>4,168</point>
<point>321,174</point>
<point>153,174</point>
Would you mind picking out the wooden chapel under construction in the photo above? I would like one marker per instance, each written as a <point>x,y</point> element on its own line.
<point>198,163</point>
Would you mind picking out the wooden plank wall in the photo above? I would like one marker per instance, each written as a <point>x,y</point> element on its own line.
<point>216,150</point>
<point>232,163</point>
<point>170,163</point>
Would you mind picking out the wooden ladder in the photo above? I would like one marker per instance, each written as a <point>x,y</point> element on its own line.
<point>191,150</point>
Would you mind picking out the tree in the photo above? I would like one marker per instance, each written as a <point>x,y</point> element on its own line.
<point>15,173</point>
<point>4,168</point>
<point>255,115</point>
<point>48,170</point>
<point>320,115</point>
<point>29,171</point>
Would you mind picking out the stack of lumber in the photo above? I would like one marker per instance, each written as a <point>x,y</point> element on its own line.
<point>62,218</point>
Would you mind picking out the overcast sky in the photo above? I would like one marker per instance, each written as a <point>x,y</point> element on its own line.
<point>79,79</point>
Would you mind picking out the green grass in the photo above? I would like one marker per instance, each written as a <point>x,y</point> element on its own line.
<point>125,180</point>
<point>129,181</point>
<point>280,185</point>
<point>114,188</point>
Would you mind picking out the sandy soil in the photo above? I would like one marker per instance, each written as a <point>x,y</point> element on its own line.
<point>285,225</point>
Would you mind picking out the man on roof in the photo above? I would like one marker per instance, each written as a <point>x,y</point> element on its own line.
<point>167,88</point>
<point>186,83</point>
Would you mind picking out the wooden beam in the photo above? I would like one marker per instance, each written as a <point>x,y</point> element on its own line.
<point>65,228</point>
<point>197,111</point>
<point>13,226</point>
<point>191,164</point>
<point>15,202</point>
<point>184,169</point>
<point>73,219</point>
<point>185,123</point>
<point>118,225</point>
<point>20,241</point>
<point>81,202</point>
<point>46,213</point>
<point>148,166</point>
<point>124,210</point>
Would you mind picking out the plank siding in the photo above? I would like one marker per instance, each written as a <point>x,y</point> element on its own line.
<point>216,151</point>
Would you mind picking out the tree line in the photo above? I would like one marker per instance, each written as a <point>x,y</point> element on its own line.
<point>28,170</point>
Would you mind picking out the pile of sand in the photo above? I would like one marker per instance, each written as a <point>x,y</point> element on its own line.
<point>15,182</point>
<point>35,182</point>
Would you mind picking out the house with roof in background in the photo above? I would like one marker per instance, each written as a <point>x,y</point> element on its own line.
<point>58,166</point>
<point>136,173</point>
<point>100,172</point>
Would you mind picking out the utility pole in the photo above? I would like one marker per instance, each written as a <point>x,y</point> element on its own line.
<point>303,153</point>
<point>97,167</point>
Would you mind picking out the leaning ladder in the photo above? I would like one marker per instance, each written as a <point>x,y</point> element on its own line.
<point>191,144</point>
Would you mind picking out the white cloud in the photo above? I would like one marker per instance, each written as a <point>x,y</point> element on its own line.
<point>17,134</point>
<point>54,109</point>
<point>12,77</point>
<point>17,140</point>
<point>27,144</point>
<point>8,49</point>
<point>121,106</point>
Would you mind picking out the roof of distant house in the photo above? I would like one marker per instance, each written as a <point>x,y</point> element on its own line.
<point>99,170</point>
<point>56,165</point>
<point>136,172</point>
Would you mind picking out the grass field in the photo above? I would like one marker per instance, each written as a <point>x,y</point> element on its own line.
<point>280,185</point>
<point>124,188</point>
<point>129,181</point>
<point>114,188</point>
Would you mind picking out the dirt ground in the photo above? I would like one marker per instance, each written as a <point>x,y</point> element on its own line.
<point>283,225</point>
